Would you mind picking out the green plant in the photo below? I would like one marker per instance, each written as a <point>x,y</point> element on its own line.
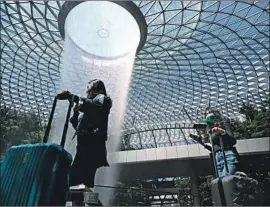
<point>19,127</point>
<point>256,122</point>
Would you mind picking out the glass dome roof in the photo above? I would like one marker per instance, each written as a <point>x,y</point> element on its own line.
<point>196,53</point>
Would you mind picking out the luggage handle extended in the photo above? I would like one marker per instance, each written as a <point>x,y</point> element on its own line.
<point>214,155</point>
<point>48,128</point>
<point>224,155</point>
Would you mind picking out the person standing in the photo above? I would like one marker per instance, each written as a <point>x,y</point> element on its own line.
<point>219,131</point>
<point>90,120</point>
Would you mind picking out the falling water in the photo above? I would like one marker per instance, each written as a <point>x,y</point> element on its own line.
<point>77,70</point>
<point>97,46</point>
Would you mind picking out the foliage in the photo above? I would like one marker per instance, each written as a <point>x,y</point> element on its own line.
<point>205,190</point>
<point>184,195</point>
<point>256,123</point>
<point>19,127</point>
<point>130,194</point>
<point>259,169</point>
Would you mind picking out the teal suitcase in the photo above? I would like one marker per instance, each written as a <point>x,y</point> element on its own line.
<point>36,174</point>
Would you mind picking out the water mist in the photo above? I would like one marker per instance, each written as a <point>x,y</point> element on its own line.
<point>102,55</point>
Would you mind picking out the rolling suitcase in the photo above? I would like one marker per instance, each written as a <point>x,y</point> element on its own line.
<point>235,189</point>
<point>37,174</point>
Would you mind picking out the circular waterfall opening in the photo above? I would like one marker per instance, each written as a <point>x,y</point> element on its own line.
<point>102,29</point>
<point>101,41</point>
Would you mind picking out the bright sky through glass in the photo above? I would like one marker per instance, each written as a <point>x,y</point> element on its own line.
<point>196,53</point>
<point>103,29</point>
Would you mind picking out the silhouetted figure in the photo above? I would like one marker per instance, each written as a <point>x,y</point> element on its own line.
<point>90,120</point>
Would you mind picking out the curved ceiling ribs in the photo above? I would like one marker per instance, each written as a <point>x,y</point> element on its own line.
<point>196,53</point>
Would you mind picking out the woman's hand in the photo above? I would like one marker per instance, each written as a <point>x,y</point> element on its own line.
<point>64,95</point>
<point>217,130</point>
<point>77,107</point>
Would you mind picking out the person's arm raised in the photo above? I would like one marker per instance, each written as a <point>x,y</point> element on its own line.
<point>88,104</point>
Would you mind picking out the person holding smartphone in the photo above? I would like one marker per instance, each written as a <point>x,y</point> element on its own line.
<point>219,131</point>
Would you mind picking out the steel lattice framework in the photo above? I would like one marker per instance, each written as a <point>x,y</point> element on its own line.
<point>196,54</point>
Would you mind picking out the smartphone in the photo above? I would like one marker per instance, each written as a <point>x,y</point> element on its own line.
<point>199,126</point>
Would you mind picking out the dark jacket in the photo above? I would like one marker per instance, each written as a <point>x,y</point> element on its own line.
<point>94,117</point>
<point>228,139</point>
<point>90,119</point>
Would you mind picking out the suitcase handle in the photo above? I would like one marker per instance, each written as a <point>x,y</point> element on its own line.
<point>224,155</point>
<point>48,128</point>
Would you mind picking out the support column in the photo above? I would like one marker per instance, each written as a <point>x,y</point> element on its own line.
<point>195,188</point>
